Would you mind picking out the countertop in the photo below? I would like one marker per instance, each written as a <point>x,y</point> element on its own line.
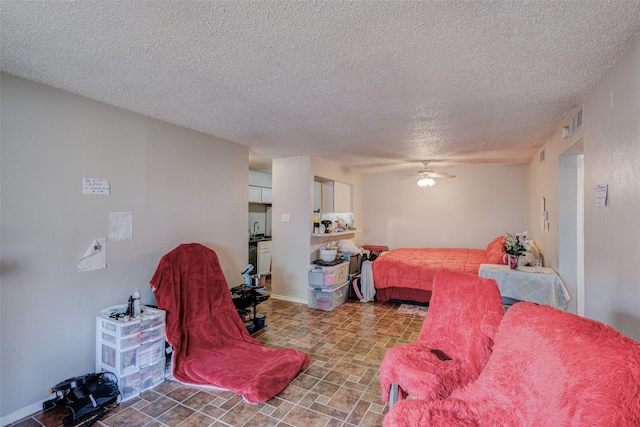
<point>259,238</point>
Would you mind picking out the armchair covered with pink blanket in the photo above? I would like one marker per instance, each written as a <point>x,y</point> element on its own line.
<point>462,320</point>
<point>211,345</point>
<point>548,368</point>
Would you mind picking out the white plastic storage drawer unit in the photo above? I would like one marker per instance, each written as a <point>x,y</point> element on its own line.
<point>327,298</point>
<point>132,349</point>
<point>129,385</point>
<point>152,375</point>
<point>329,276</point>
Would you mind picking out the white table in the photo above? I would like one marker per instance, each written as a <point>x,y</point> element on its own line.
<point>525,284</point>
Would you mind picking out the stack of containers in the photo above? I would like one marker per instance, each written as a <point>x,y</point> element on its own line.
<point>328,286</point>
<point>133,349</point>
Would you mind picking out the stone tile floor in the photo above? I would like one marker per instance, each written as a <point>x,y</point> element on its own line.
<point>339,388</point>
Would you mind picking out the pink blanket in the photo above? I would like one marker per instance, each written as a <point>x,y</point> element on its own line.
<point>211,344</point>
<point>548,368</point>
<point>415,268</point>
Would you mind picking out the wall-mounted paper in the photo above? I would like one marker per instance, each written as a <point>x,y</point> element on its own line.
<point>94,257</point>
<point>601,195</point>
<point>120,225</point>
<point>95,186</point>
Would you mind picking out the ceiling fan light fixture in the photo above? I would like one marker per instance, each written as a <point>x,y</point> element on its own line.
<point>426,182</point>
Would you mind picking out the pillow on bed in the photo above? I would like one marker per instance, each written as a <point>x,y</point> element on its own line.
<point>495,251</point>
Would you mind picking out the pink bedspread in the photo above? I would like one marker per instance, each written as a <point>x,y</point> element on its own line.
<point>211,344</point>
<point>416,268</point>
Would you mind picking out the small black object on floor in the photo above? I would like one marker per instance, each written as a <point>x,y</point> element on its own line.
<point>87,397</point>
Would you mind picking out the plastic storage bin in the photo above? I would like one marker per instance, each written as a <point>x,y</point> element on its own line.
<point>329,276</point>
<point>133,349</point>
<point>117,330</point>
<point>129,385</point>
<point>152,334</point>
<point>124,342</point>
<point>151,318</point>
<point>150,352</point>
<point>152,375</point>
<point>327,298</point>
<point>120,362</point>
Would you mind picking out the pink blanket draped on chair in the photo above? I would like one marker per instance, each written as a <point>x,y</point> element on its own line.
<point>210,342</point>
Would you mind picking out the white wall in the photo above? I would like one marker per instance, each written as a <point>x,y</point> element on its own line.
<point>612,234</point>
<point>293,194</point>
<point>468,211</point>
<point>183,186</point>
<point>292,184</point>
<point>611,146</point>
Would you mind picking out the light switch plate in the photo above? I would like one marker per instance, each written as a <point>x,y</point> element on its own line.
<point>286,218</point>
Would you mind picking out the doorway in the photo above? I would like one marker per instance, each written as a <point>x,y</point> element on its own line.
<point>571,225</point>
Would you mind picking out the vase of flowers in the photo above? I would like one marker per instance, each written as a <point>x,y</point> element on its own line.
<point>515,245</point>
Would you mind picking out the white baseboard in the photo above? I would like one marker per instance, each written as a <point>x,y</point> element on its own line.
<point>22,413</point>
<point>37,407</point>
<point>286,298</point>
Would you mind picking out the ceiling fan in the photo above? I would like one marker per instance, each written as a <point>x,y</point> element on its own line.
<point>426,177</point>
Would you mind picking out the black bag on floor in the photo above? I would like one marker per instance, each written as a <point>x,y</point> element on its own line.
<point>87,397</point>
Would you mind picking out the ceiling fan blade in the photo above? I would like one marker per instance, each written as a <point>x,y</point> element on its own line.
<point>441,175</point>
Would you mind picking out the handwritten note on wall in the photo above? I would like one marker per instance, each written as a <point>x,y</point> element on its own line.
<point>601,195</point>
<point>95,186</point>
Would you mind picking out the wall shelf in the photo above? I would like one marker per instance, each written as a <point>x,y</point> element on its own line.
<point>340,233</point>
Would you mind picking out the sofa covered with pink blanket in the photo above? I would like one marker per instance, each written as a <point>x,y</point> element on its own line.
<point>548,368</point>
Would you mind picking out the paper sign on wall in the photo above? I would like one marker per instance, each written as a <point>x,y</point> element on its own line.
<point>120,225</point>
<point>601,195</point>
<point>94,257</point>
<point>95,186</point>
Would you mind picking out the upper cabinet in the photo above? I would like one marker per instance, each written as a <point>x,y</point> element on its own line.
<point>341,197</point>
<point>266,195</point>
<point>260,187</point>
<point>259,194</point>
<point>332,196</point>
<point>255,194</point>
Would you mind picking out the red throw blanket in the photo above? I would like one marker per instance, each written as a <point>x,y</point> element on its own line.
<point>416,268</point>
<point>210,342</point>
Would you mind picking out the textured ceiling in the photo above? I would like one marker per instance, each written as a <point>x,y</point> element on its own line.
<point>372,85</point>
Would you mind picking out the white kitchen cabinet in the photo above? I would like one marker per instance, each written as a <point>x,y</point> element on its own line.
<point>334,196</point>
<point>255,194</point>
<point>259,194</point>
<point>326,203</point>
<point>341,197</point>
<point>266,195</point>
<point>264,257</point>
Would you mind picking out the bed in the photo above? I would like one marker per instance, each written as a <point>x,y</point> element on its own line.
<point>406,274</point>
